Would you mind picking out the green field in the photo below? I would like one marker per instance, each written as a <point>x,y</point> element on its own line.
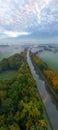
<point>3,55</point>
<point>8,75</point>
<point>51,59</point>
<point>5,52</point>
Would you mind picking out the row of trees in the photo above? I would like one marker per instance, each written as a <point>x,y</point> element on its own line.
<point>53,78</point>
<point>42,66</point>
<point>20,105</point>
<point>50,74</point>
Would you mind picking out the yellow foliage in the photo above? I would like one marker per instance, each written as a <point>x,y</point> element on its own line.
<point>49,73</point>
<point>53,77</point>
<point>42,123</point>
<point>37,60</point>
<point>55,81</point>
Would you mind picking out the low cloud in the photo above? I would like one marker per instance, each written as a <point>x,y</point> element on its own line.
<point>15,34</point>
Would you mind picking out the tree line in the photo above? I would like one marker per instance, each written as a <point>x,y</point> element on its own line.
<point>49,74</point>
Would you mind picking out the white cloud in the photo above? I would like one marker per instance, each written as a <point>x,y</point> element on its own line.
<point>19,15</point>
<point>15,34</point>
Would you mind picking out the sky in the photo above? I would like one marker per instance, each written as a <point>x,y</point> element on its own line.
<point>29,19</point>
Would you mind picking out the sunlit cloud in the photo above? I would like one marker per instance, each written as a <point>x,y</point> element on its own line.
<point>15,34</point>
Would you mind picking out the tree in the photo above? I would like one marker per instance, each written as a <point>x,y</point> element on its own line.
<point>14,126</point>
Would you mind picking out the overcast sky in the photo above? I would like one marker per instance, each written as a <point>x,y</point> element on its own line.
<point>29,18</point>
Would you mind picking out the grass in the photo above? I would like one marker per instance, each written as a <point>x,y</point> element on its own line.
<point>51,59</point>
<point>3,55</point>
<point>8,75</point>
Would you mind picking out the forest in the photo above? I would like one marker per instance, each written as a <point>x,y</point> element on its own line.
<point>20,104</point>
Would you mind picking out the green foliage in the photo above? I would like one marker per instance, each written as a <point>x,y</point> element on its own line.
<point>2,120</point>
<point>11,63</point>
<point>37,127</point>
<point>3,128</point>
<point>20,105</point>
<point>14,127</point>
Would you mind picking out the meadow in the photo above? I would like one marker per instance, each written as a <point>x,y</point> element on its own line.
<point>51,59</point>
<point>5,52</point>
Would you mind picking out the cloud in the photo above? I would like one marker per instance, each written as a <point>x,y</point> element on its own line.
<point>28,15</point>
<point>15,34</point>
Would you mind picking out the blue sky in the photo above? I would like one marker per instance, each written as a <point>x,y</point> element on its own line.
<point>32,19</point>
